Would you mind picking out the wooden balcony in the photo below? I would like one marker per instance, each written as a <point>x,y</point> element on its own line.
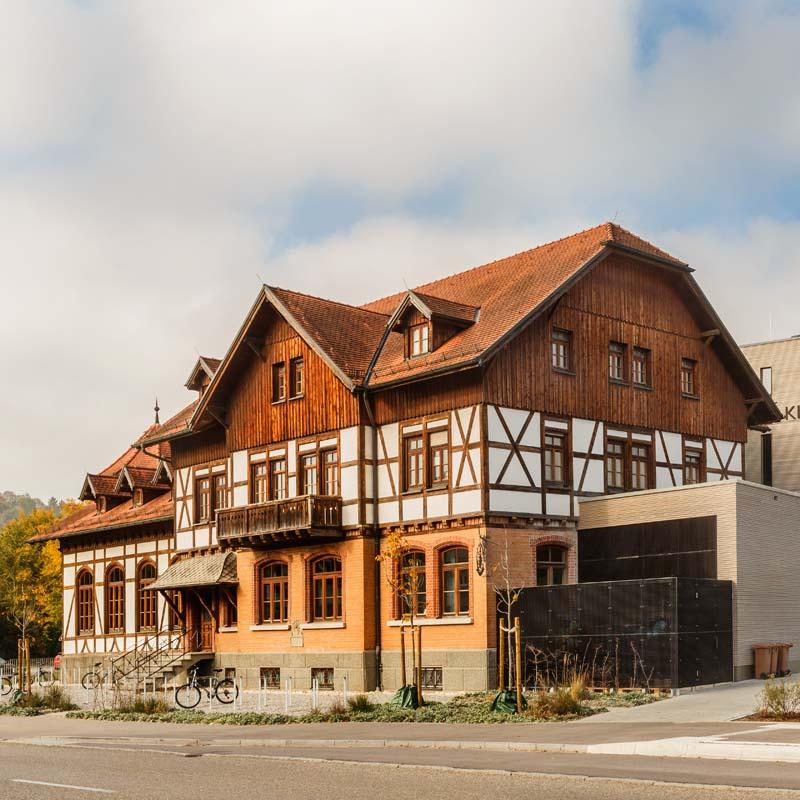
<point>295,520</point>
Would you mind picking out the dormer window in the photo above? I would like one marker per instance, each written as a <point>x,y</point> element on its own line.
<point>419,339</point>
<point>138,497</point>
<point>102,505</point>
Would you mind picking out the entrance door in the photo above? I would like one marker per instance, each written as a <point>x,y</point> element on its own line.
<point>200,622</point>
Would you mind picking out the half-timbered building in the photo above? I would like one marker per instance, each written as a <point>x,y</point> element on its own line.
<point>470,414</point>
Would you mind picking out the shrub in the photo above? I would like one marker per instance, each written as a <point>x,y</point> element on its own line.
<point>559,703</point>
<point>779,700</point>
<point>57,699</point>
<point>147,704</point>
<point>336,711</point>
<point>578,688</point>
<point>361,703</point>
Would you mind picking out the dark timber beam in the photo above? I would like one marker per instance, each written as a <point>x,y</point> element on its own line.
<point>218,413</point>
<point>255,345</point>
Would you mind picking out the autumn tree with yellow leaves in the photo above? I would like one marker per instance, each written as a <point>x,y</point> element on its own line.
<point>30,584</point>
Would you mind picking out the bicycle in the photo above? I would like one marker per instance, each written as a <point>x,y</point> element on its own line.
<point>95,678</point>
<point>41,676</point>
<point>189,694</point>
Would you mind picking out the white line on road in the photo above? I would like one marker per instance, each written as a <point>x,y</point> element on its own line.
<point>63,786</point>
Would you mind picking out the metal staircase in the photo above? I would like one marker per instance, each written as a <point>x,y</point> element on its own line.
<point>160,656</point>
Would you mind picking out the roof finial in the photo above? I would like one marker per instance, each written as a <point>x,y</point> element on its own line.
<point>157,409</point>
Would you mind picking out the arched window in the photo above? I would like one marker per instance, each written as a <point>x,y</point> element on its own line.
<point>148,598</point>
<point>274,582</point>
<point>455,581</point>
<point>412,583</point>
<point>115,600</point>
<point>326,589</point>
<point>551,565</point>
<point>85,617</point>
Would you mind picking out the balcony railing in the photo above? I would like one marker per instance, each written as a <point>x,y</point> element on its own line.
<point>309,515</point>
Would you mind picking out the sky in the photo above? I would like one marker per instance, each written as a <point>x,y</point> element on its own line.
<point>159,159</point>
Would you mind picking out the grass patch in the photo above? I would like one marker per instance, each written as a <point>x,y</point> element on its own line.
<point>470,709</point>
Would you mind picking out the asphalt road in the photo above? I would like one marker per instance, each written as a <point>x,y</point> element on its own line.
<point>28,772</point>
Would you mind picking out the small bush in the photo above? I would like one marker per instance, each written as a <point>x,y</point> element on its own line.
<point>57,699</point>
<point>31,700</point>
<point>578,688</point>
<point>361,703</point>
<point>779,700</point>
<point>148,704</point>
<point>559,703</point>
<point>336,711</point>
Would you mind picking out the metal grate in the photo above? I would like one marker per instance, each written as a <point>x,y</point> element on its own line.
<point>432,678</point>
<point>323,676</point>
<point>271,677</point>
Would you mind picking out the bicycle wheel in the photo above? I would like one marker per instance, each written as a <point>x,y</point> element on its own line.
<point>91,680</point>
<point>227,691</point>
<point>187,696</point>
<point>6,685</point>
<point>45,677</point>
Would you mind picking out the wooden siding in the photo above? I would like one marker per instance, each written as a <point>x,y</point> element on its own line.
<point>432,396</point>
<point>254,420</point>
<point>207,445</point>
<point>642,306</point>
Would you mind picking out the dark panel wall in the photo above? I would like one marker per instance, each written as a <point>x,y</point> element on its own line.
<point>682,548</point>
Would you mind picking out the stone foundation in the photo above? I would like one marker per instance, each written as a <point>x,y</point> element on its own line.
<point>462,670</point>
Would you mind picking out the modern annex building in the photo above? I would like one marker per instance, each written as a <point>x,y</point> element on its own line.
<point>470,414</point>
<point>773,451</point>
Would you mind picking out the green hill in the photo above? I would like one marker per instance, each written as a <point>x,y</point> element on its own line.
<point>12,505</point>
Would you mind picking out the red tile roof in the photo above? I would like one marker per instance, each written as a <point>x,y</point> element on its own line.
<point>348,335</point>
<point>159,434</point>
<point>448,308</point>
<point>141,466</point>
<point>505,291</point>
<point>89,520</point>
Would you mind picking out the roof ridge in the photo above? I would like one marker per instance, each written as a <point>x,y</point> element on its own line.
<point>328,300</point>
<point>492,262</point>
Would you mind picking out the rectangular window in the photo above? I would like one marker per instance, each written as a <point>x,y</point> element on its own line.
<point>561,349</point>
<point>432,678</point>
<point>297,378</point>
<point>692,466</point>
<point>766,378</point>
<point>616,361</point>
<point>615,465</point>
<point>220,492</point>
<point>202,499</point>
<point>330,465</point>
<point>308,473</point>
<point>439,458</point>
<point>766,459</point>
<point>278,382</point>
<point>688,377</point>
<point>259,487</point>
<point>640,366</point>
<point>419,339</point>
<point>414,463</point>
<point>640,466</point>
<point>230,611</point>
<point>277,479</point>
<point>555,458</point>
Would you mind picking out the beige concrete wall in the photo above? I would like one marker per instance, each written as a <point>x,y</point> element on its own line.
<point>758,548</point>
<point>783,356</point>
<point>768,556</point>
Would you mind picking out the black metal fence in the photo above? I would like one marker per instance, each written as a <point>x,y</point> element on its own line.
<point>652,633</point>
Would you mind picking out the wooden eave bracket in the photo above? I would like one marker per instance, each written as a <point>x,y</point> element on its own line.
<point>255,345</point>
<point>710,335</point>
<point>218,413</point>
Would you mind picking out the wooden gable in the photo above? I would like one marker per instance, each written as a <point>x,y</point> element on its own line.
<point>624,300</point>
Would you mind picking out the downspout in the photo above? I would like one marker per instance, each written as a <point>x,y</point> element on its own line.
<point>377,534</point>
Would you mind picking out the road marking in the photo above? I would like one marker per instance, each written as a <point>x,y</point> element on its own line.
<point>63,786</point>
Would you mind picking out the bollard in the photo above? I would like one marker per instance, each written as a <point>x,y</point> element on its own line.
<point>344,691</point>
<point>260,689</point>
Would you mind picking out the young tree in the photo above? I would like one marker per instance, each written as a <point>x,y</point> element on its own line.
<point>406,578</point>
<point>30,580</point>
<point>499,577</point>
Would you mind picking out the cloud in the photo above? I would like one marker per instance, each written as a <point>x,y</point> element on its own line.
<point>153,154</point>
